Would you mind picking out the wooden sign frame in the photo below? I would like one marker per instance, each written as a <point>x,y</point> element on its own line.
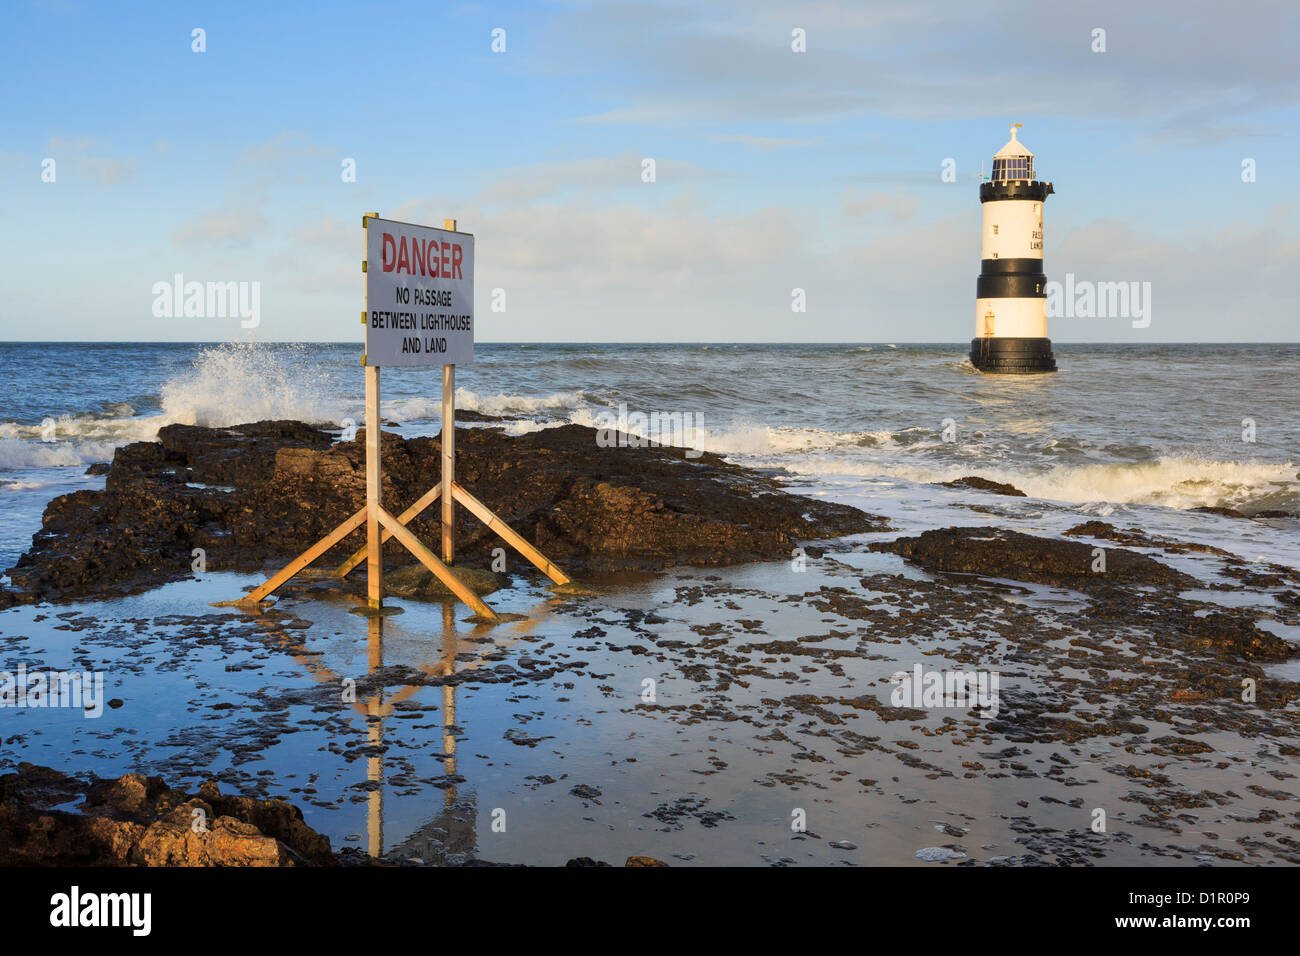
<point>381,525</point>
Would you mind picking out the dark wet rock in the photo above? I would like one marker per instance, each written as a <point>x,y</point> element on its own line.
<point>976,483</point>
<point>1137,538</point>
<point>1220,511</point>
<point>139,821</point>
<point>1234,513</point>
<point>995,552</point>
<point>466,415</point>
<point>259,494</point>
<point>417,581</point>
<point>673,814</point>
<point>98,468</point>
<point>1108,532</point>
<point>1133,588</point>
<point>522,738</point>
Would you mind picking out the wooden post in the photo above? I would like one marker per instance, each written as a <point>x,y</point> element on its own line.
<point>374,474</point>
<point>374,544</point>
<point>448,463</point>
<point>448,450</point>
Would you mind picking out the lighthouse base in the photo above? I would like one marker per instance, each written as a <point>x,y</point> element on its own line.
<point>1012,356</point>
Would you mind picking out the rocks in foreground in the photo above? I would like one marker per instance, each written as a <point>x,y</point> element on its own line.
<point>259,494</point>
<point>140,821</point>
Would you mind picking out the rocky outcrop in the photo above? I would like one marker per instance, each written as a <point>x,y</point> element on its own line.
<point>995,552</point>
<point>976,483</point>
<point>259,494</point>
<point>1124,585</point>
<point>140,821</point>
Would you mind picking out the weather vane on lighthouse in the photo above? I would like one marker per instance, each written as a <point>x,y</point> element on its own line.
<point>1011,292</point>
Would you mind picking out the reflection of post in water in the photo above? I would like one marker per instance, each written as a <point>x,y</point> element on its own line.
<point>449,698</point>
<point>375,736</point>
<point>452,831</point>
<point>451,836</point>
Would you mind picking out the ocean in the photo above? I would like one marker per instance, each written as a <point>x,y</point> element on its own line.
<point>1146,432</point>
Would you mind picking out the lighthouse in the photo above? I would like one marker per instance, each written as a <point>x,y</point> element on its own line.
<point>1011,292</point>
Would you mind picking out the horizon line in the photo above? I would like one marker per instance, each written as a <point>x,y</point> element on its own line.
<point>965,343</point>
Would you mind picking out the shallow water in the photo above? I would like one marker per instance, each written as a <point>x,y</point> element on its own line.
<point>549,750</point>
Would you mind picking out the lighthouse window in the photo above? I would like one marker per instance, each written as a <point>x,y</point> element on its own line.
<point>1015,167</point>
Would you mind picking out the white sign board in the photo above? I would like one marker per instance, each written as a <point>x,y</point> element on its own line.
<point>419,295</point>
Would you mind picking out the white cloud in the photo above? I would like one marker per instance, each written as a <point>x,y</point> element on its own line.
<point>767,143</point>
<point>893,206</point>
<point>537,181</point>
<point>235,223</point>
<point>101,169</point>
<point>1170,62</point>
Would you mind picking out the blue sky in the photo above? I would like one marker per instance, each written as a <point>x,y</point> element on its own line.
<point>774,169</point>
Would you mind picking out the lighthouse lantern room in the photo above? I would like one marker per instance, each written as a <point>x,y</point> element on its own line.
<point>1011,292</point>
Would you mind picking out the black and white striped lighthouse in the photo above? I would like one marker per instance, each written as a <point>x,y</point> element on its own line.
<point>1011,292</point>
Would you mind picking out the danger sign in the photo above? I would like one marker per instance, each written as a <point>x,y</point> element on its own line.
<point>419,295</point>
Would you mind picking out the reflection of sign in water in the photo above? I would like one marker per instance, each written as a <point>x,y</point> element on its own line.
<point>419,295</point>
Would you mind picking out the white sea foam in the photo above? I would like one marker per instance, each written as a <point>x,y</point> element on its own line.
<point>920,455</point>
<point>235,383</point>
<point>1172,482</point>
<point>16,453</point>
<point>564,404</point>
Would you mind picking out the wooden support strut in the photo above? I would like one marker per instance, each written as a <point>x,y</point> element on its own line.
<point>430,561</point>
<point>509,535</point>
<point>306,558</point>
<point>406,517</point>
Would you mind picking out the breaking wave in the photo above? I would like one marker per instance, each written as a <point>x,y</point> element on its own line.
<point>1171,482</point>
<point>239,382</point>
